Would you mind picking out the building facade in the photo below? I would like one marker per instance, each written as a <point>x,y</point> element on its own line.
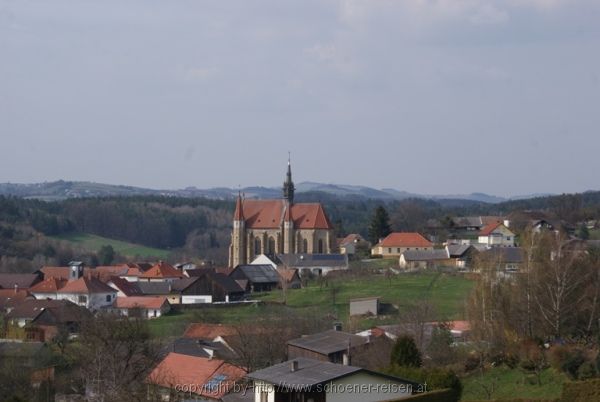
<point>279,227</point>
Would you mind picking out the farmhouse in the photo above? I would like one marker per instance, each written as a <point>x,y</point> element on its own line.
<point>396,243</point>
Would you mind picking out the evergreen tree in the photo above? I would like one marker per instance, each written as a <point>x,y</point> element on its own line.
<point>380,225</point>
<point>405,352</point>
<point>106,255</point>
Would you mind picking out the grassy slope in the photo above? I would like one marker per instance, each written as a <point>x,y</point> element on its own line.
<point>512,383</point>
<point>445,291</point>
<point>94,243</point>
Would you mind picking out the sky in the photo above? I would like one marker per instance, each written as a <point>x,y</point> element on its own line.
<point>426,96</point>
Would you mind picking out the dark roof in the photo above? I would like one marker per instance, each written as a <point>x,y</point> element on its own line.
<point>229,285</point>
<point>309,372</point>
<point>23,281</point>
<point>457,250</point>
<point>30,309</point>
<point>154,288</point>
<point>328,342</point>
<point>506,254</point>
<point>182,284</point>
<point>313,260</point>
<point>128,288</point>
<point>198,347</point>
<point>63,313</point>
<point>259,273</point>
<point>425,255</point>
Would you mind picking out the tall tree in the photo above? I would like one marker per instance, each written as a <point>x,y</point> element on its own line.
<point>405,352</point>
<point>380,225</point>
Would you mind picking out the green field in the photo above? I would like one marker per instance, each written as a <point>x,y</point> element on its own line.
<point>398,293</point>
<point>505,383</point>
<point>93,243</point>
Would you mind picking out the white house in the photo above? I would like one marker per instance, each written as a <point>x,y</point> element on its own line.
<point>496,235</point>
<point>142,306</point>
<point>86,291</point>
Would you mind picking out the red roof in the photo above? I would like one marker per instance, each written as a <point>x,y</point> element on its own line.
<point>49,285</point>
<point>208,331</point>
<point>12,297</point>
<point>211,378</point>
<point>238,215</point>
<point>351,238</point>
<point>86,285</point>
<point>162,270</point>
<point>269,214</point>
<point>488,229</point>
<point>150,302</point>
<point>405,239</point>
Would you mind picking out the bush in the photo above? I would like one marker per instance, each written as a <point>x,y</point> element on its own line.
<point>587,371</point>
<point>406,353</point>
<point>581,391</point>
<point>434,378</point>
<point>572,363</point>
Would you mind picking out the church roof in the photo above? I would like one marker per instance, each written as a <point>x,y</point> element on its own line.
<point>269,214</point>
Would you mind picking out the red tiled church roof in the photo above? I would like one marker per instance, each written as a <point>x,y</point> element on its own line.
<point>86,285</point>
<point>270,214</point>
<point>405,239</point>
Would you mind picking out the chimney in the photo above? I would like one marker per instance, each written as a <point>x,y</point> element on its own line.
<point>294,366</point>
<point>16,288</point>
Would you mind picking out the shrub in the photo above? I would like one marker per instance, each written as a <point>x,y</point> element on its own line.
<point>586,371</point>
<point>434,378</point>
<point>406,353</point>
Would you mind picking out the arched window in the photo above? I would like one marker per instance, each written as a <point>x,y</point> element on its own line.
<point>320,246</point>
<point>257,248</point>
<point>271,246</point>
<point>305,246</point>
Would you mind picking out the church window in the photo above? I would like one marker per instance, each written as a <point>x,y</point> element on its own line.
<point>321,246</point>
<point>271,246</point>
<point>257,248</point>
<point>305,246</point>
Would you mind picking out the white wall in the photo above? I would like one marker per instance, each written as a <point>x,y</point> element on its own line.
<point>94,301</point>
<point>193,299</point>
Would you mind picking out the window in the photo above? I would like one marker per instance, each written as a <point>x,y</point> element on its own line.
<point>398,250</point>
<point>108,298</point>
<point>320,246</point>
<point>82,299</point>
<point>271,246</point>
<point>264,396</point>
<point>507,238</point>
<point>305,246</point>
<point>390,250</point>
<point>257,246</point>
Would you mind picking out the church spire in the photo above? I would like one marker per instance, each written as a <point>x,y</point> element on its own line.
<point>238,215</point>
<point>288,185</point>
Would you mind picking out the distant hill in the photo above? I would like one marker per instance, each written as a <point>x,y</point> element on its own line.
<point>61,190</point>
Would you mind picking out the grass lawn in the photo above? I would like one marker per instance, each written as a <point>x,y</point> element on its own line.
<point>595,234</point>
<point>446,292</point>
<point>510,383</point>
<point>93,243</point>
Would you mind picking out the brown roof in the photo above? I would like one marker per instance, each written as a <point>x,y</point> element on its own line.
<point>63,272</point>
<point>87,284</point>
<point>162,270</point>
<point>208,331</point>
<point>10,297</point>
<point>32,308</point>
<point>128,288</point>
<point>267,214</point>
<point>287,274</point>
<point>22,281</point>
<point>212,378</point>
<point>152,302</point>
<point>351,238</point>
<point>405,239</point>
<point>488,229</point>
<point>49,285</point>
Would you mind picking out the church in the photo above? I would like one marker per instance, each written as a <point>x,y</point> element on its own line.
<point>279,226</point>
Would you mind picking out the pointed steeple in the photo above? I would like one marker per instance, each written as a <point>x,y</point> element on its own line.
<point>288,185</point>
<point>239,212</point>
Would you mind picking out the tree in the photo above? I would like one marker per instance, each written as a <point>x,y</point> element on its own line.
<point>106,255</point>
<point>380,225</point>
<point>405,352</point>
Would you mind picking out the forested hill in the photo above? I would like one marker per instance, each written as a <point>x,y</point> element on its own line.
<point>200,227</point>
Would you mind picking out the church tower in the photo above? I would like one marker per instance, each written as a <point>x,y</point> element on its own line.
<point>288,223</point>
<point>237,254</point>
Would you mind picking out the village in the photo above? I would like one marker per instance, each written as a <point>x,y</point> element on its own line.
<point>280,248</point>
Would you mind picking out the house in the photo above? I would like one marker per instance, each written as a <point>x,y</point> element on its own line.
<point>18,281</point>
<point>11,297</point>
<point>316,264</point>
<point>154,288</point>
<point>63,315</point>
<point>87,291</point>
<point>353,243</point>
<point>364,306</point>
<point>181,375</point>
<point>161,272</point>
<point>496,235</point>
<point>304,379</point>
<point>202,348</point>
<point>431,258</point>
<point>260,278</point>
<point>462,254</point>
<point>472,223</point>
<point>129,272</point>
<point>420,331</point>
<point>124,287</point>
<point>206,286</point>
<point>142,306</point>
<point>47,313</point>
<point>278,226</point>
<point>505,259</point>
<point>48,288</point>
<point>332,346</point>
<point>397,243</point>
<point>290,277</point>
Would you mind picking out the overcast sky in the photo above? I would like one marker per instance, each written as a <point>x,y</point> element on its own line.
<point>428,96</point>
